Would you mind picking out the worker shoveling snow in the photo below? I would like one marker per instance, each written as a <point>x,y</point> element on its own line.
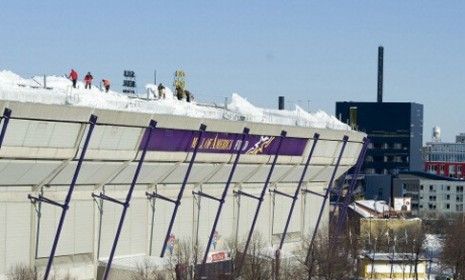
<point>59,90</point>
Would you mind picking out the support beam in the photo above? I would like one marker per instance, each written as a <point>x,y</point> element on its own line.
<point>183,186</point>
<point>325,198</point>
<point>222,200</point>
<point>65,205</point>
<point>281,193</point>
<point>6,119</point>
<point>353,183</point>
<point>316,137</point>
<point>260,201</point>
<point>125,203</point>
<point>314,193</point>
<point>337,192</point>
<point>156,195</point>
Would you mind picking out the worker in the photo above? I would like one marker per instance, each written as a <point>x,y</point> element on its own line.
<point>179,93</point>
<point>161,91</point>
<point>73,76</point>
<point>188,95</point>
<point>88,80</point>
<point>106,84</point>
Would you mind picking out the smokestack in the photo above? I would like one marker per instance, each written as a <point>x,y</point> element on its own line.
<point>380,73</point>
<point>281,102</point>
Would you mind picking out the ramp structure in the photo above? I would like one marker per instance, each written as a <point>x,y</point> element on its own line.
<point>55,153</point>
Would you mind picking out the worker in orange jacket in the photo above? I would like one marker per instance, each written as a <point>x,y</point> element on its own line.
<point>73,76</point>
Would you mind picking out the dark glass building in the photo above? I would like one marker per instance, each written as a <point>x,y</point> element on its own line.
<point>395,131</point>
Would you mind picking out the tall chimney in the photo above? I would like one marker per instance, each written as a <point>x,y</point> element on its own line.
<point>380,73</point>
<point>281,102</point>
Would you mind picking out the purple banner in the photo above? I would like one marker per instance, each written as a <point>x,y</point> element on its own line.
<point>177,140</point>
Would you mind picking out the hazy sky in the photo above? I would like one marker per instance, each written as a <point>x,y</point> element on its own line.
<point>314,53</point>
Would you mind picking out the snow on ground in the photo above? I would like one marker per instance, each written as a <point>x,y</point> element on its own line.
<point>59,91</point>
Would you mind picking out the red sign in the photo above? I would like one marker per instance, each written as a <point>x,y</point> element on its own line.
<point>217,256</point>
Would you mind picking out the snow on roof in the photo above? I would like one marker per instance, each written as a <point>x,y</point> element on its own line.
<point>393,256</point>
<point>370,208</point>
<point>59,91</point>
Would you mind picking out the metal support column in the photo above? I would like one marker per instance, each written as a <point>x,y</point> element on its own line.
<point>181,191</point>
<point>260,201</point>
<point>316,137</point>
<point>325,197</point>
<point>99,204</point>
<point>353,183</point>
<point>337,192</point>
<point>221,200</point>
<point>65,205</point>
<point>125,203</point>
<point>6,119</point>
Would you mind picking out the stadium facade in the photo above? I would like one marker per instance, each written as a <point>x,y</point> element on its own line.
<point>39,156</point>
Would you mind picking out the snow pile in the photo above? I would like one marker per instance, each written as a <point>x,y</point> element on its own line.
<point>297,117</point>
<point>58,90</point>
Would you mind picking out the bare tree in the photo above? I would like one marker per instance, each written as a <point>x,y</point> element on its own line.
<point>256,264</point>
<point>147,271</point>
<point>331,257</point>
<point>25,272</point>
<point>22,272</point>
<point>453,253</point>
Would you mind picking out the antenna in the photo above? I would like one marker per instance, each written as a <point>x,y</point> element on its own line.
<point>380,73</point>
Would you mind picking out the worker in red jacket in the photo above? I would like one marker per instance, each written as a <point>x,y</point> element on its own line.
<point>106,85</point>
<point>88,80</point>
<point>73,76</point>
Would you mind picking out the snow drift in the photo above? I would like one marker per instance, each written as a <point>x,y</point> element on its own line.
<point>58,90</point>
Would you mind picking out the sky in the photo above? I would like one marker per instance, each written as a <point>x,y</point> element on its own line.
<point>313,52</point>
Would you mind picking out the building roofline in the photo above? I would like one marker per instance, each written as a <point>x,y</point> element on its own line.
<point>430,176</point>
<point>374,102</point>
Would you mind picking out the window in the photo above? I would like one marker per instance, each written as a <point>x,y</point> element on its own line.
<point>431,187</point>
<point>459,207</point>
<point>448,188</point>
<point>447,196</point>
<point>421,187</point>
<point>447,206</point>
<point>459,188</point>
